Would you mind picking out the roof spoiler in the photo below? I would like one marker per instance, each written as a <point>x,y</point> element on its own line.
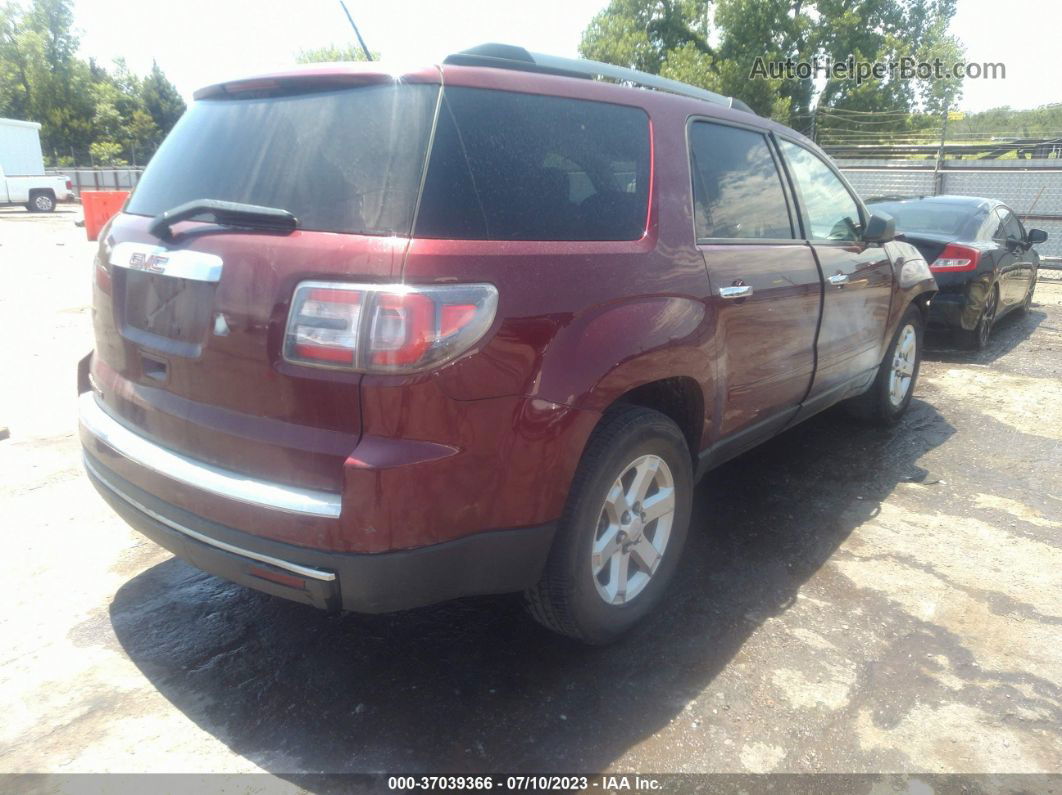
<point>506,56</point>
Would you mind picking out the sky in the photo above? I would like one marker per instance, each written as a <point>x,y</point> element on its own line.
<point>197,42</point>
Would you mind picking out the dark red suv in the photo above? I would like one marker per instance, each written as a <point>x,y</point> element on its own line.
<point>370,340</point>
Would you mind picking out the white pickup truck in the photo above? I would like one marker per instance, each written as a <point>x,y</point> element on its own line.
<point>20,156</point>
<point>36,194</point>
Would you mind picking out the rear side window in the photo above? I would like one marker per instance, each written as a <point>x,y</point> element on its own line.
<point>509,166</point>
<point>1011,226</point>
<point>737,188</point>
<point>340,161</point>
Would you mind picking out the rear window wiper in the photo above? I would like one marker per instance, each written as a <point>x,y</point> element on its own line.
<point>226,214</point>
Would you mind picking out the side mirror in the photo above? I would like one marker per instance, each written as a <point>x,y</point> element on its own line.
<point>1035,236</point>
<point>881,228</point>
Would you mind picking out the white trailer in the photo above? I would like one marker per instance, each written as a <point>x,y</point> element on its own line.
<point>22,177</point>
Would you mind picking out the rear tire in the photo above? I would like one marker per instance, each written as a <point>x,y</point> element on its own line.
<point>890,394</point>
<point>977,340</point>
<point>622,531</point>
<point>1026,305</point>
<point>41,203</point>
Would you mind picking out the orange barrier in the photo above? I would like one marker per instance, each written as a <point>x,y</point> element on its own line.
<point>99,206</point>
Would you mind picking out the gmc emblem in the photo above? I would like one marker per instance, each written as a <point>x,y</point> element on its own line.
<point>151,264</point>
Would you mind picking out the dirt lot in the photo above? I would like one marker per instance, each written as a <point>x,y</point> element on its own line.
<point>852,599</point>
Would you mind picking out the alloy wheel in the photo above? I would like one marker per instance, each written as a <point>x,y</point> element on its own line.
<point>633,529</point>
<point>903,365</point>
<point>988,317</point>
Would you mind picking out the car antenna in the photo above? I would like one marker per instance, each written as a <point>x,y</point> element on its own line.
<point>361,41</point>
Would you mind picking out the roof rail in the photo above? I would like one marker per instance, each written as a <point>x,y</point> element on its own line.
<point>506,56</point>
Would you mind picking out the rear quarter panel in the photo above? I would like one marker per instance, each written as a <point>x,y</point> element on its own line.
<point>580,323</point>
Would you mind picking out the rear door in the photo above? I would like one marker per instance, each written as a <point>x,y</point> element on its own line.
<point>858,278</point>
<point>765,286</point>
<point>1016,262</point>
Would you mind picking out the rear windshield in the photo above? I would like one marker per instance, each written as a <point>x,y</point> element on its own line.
<point>340,161</point>
<point>936,219</point>
<point>510,166</point>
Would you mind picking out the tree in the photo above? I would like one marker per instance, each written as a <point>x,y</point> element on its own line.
<point>333,53</point>
<point>716,45</point>
<point>106,153</point>
<point>78,103</point>
<point>162,100</point>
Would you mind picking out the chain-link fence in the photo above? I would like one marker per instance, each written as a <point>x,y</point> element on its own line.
<point>102,178</point>
<point>1032,188</point>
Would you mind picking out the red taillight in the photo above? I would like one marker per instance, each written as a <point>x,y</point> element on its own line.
<point>402,327</point>
<point>325,329</point>
<point>385,328</point>
<point>69,184</point>
<point>956,258</point>
<point>455,317</point>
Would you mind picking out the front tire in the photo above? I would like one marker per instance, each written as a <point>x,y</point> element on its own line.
<point>622,531</point>
<point>890,394</point>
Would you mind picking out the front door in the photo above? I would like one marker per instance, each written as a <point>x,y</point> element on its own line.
<point>857,276</point>
<point>765,286</point>
<point>1016,267</point>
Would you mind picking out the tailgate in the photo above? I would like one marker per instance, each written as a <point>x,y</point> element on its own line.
<point>188,347</point>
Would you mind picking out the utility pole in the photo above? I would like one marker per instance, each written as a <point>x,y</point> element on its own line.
<point>937,176</point>
<point>361,41</point>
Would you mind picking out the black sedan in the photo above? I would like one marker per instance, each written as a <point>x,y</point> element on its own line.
<point>981,255</point>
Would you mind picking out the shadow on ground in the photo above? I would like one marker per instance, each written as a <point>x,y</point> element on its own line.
<point>474,685</point>
<point>1010,331</point>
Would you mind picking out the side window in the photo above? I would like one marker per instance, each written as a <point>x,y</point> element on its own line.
<point>832,212</point>
<point>737,190</point>
<point>1011,225</point>
<point>510,166</point>
<point>998,233</point>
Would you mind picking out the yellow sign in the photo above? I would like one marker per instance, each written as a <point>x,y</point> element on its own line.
<point>956,115</point>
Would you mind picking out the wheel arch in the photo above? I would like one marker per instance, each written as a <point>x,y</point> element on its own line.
<point>680,398</point>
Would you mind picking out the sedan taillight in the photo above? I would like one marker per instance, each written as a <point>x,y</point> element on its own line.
<point>386,328</point>
<point>956,258</point>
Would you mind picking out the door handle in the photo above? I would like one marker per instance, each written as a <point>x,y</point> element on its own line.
<point>838,279</point>
<point>737,291</point>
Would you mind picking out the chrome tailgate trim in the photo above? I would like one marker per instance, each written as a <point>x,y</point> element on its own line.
<point>206,477</point>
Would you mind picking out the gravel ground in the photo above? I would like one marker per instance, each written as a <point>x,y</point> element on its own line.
<point>851,600</point>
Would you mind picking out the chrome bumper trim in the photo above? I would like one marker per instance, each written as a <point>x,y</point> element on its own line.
<point>294,568</point>
<point>222,482</point>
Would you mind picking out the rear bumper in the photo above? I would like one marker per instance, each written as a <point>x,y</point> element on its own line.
<point>947,310</point>
<point>492,562</point>
<point>959,302</point>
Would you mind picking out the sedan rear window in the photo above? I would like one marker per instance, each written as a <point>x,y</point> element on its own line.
<point>936,219</point>
<point>510,166</point>
<point>345,160</point>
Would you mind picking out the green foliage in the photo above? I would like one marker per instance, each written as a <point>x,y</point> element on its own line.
<point>161,99</point>
<point>1042,122</point>
<point>333,53</point>
<point>715,45</point>
<point>83,107</point>
<point>106,153</point>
